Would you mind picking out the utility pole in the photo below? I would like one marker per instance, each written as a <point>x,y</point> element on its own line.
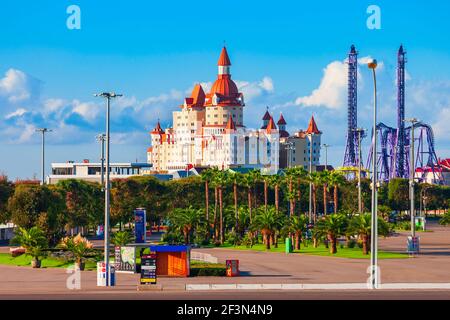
<point>374,221</point>
<point>412,172</point>
<point>101,138</point>
<point>360,132</point>
<point>108,96</point>
<point>43,131</point>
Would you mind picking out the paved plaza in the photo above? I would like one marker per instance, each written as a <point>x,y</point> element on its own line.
<point>431,266</point>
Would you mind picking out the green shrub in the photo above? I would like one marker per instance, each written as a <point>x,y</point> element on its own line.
<point>351,243</point>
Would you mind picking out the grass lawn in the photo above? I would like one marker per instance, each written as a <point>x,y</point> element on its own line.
<point>25,261</point>
<point>352,253</point>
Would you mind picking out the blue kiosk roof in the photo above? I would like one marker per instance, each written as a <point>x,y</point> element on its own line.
<point>169,248</point>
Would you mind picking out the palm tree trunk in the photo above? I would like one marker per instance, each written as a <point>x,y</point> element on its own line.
<point>335,195</point>
<point>276,198</point>
<point>297,241</point>
<point>265,194</point>
<point>325,199</point>
<point>236,213</point>
<point>207,200</point>
<point>267,238</point>
<point>314,203</point>
<point>216,195</point>
<point>249,196</point>
<point>333,248</point>
<point>299,196</point>
<point>291,199</point>
<point>365,245</point>
<point>221,216</point>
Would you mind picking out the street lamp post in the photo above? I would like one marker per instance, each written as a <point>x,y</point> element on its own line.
<point>108,96</point>
<point>374,221</point>
<point>413,121</point>
<point>310,174</point>
<point>43,131</point>
<point>101,138</point>
<point>289,148</point>
<point>326,146</point>
<point>360,132</point>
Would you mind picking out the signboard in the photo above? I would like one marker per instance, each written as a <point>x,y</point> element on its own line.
<point>148,268</point>
<point>102,275</point>
<point>125,259</point>
<point>139,225</point>
<point>413,245</point>
<point>232,268</point>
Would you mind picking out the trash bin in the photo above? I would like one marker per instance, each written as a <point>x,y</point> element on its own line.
<point>288,248</point>
<point>101,274</point>
<point>232,268</point>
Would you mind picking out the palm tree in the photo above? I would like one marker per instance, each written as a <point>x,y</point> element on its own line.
<point>360,225</point>
<point>121,238</point>
<point>247,182</point>
<point>221,180</point>
<point>256,177</point>
<point>207,176</point>
<point>290,175</point>
<point>265,221</point>
<point>297,225</point>
<point>34,242</point>
<point>236,179</point>
<point>336,179</point>
<point>333,226</point>
<point>186,220</point>
<point>275,181</point>
<point>266,179</point>
<point>299,173</point>
<point>314,178</point>
<point>324,177</point>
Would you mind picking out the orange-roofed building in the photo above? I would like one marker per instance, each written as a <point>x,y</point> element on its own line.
<point>208,130</point>
<point>302,147</point>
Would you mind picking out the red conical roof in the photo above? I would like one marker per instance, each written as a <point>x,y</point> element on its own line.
<point>224,60</point>
<point>312,127</point>
<point>158,129</point>
<point>266,116</point>
<point>230,124</point>
<point>198,95</point>
<point>281,120</point>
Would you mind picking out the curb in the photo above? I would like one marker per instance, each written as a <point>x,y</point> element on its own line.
<point>313,286</point>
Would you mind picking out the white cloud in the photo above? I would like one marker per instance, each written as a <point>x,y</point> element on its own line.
<point>18,113</point>
<point>441,127</point>
<point>254,89</point>
<point>87,110</point>
<point>18,87</point>
<point>331,92</point>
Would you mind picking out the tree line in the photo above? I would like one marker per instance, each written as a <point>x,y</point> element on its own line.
<point>228,201</point>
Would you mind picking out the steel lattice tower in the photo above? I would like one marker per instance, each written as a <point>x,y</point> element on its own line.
<point>401,165</point>
<point>351,150</point>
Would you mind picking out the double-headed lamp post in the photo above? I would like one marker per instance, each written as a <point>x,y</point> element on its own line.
<point>374,221</point>
<point>412,172</point>
<point>289,147</point>
<point>43,131</point>
<point>108,96</point>
<point>101,138</point>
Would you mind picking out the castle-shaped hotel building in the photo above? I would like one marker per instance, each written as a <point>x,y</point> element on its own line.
<point>209,131</point>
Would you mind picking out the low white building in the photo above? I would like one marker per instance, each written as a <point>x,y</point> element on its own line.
<point>89,171</point>
<point>6,232</point>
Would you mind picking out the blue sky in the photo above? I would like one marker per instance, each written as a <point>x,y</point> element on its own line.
<point>288,55</point>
